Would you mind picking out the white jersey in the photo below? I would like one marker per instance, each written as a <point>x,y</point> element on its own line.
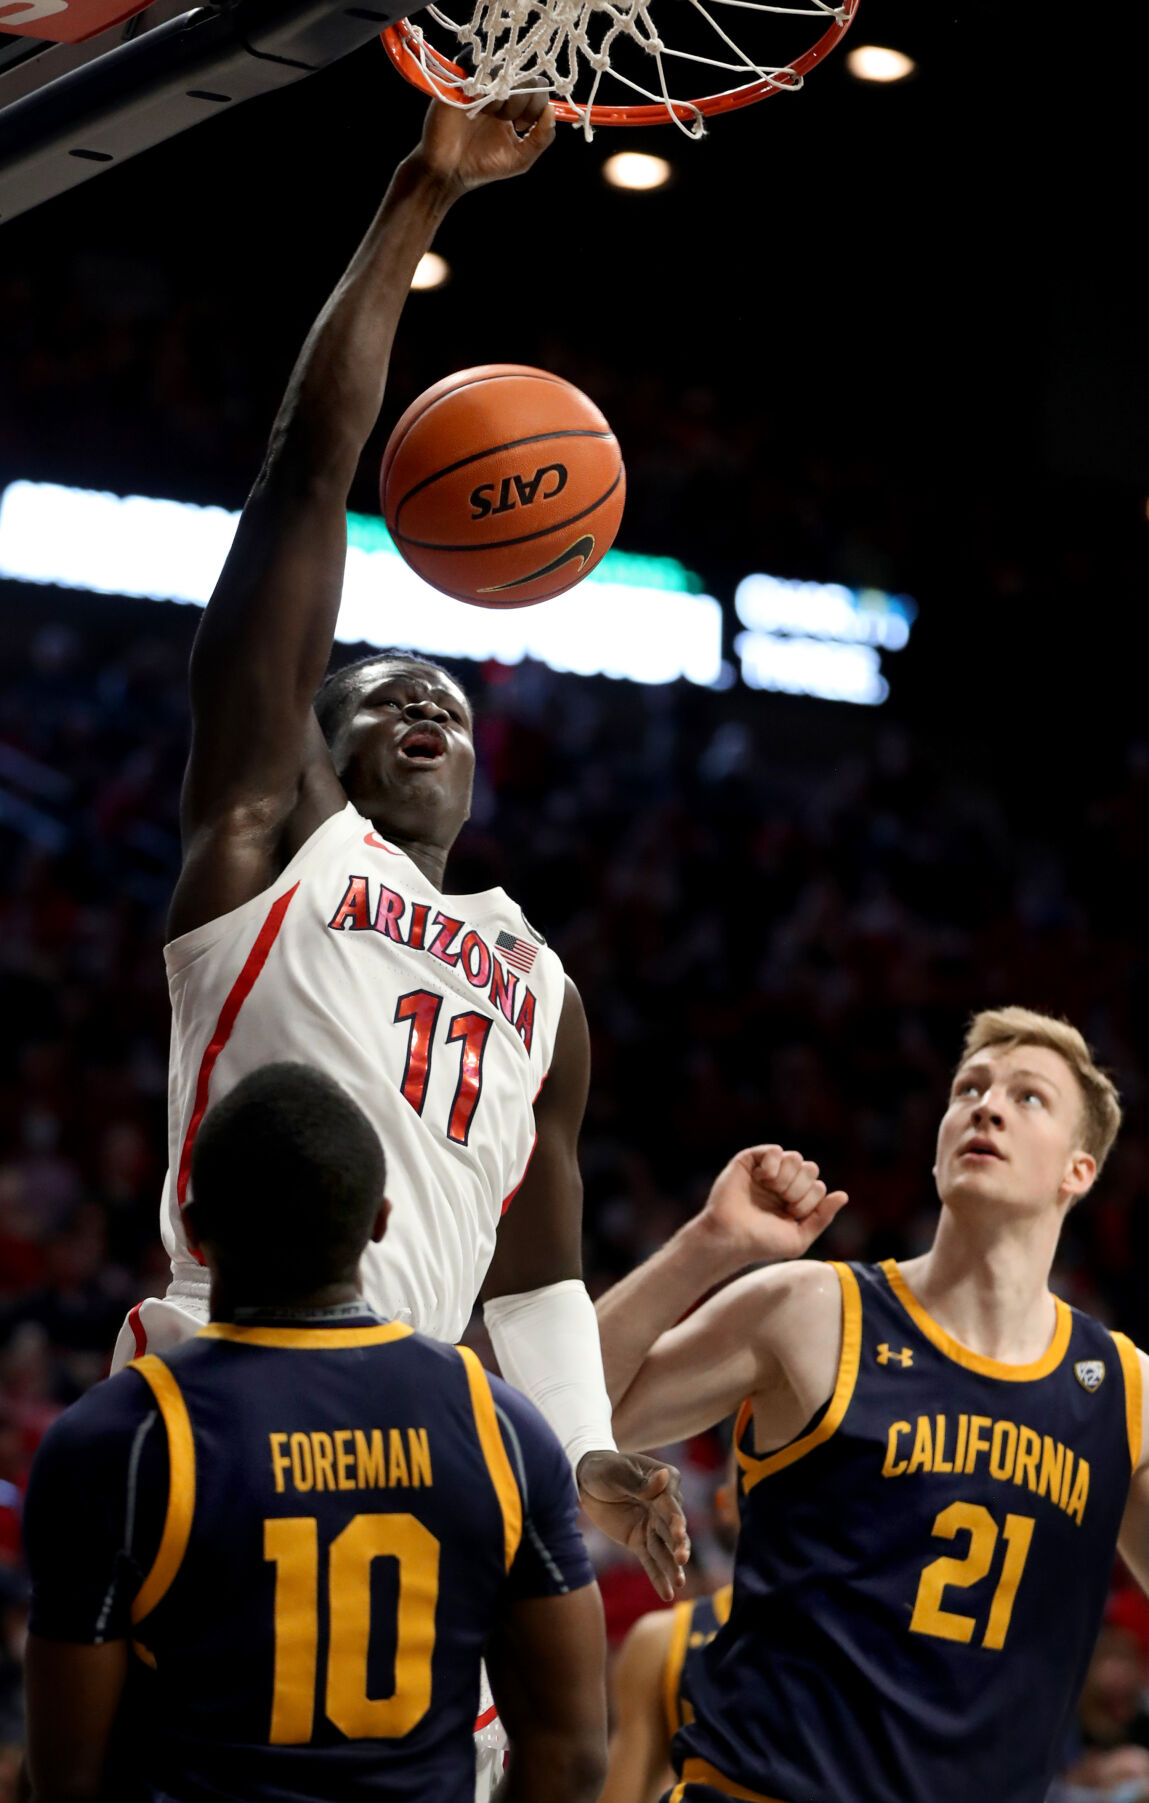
<point>437,1013</point>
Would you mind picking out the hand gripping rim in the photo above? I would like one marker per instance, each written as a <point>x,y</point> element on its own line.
<point>399,38</point>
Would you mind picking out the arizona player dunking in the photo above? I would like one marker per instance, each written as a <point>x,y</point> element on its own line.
<point>310,920</point>
<point>937,1458</point>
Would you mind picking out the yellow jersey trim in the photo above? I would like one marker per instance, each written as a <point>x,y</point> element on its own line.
<point>742,1420</point>
<point>181,1484</point>
<point>672,1666</point>
<point>676,1708</point>
<point>305,1339</point>
<point>755,1469</point>
<point>495,1453</point>
<point>973,1361</point>
<point>1131,1366</point>
<point>700,1771</point>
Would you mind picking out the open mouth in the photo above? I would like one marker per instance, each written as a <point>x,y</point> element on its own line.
<point>425,744</point>
<point>981,1148</point>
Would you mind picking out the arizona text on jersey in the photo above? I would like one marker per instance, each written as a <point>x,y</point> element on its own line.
<point>353,962</point>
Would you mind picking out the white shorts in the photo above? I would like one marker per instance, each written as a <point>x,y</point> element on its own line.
<point>490,1744</point>
<point>159,1323</point>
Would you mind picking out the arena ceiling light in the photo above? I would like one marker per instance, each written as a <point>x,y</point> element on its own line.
<point>819,638</point>
<point>431,271</point>
<point>636,170</point>
<point>878,63</point>
<point>639,618</point>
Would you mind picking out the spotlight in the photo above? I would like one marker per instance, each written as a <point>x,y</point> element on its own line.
<point>432,271</point>
<point>876,62</point>
<point>634,169</point>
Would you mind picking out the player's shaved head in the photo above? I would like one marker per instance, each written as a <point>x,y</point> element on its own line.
<point>287,1181</point>
<point>338,692</point>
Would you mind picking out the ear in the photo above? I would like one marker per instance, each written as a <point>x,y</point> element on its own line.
<point>1079,1177</point>
<point>379,1225</point>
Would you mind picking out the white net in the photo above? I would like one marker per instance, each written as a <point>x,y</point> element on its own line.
<point>564,46</point>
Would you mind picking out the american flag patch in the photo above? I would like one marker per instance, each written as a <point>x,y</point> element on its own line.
<point>519,952</point>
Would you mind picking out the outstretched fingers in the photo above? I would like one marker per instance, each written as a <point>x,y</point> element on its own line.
<point>665,1546</point>
<point>665,1574</point>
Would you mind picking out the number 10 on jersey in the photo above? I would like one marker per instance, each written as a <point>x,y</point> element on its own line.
<point>419,1009</point>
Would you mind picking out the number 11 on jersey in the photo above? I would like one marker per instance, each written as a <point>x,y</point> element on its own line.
<point>419,1008</point>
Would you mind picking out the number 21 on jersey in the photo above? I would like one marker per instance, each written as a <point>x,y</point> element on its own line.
<point>959,1574</point>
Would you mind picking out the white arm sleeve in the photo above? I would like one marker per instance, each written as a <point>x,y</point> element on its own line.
<point>546,1342</point>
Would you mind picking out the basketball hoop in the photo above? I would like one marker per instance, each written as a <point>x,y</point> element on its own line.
<point>554,46</point>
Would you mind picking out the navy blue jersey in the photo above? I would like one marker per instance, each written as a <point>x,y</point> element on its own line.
<point>920,1575</point>
<point>307,1533</point>
<point>695,1624</point>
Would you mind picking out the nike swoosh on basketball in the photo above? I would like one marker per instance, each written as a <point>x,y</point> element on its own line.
<point>583,549</point>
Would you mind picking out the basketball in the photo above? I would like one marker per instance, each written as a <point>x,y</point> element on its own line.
<point>502,485</point>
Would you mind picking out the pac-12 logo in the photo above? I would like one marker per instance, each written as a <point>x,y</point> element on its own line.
<point>518,491</point>
<point>1090,1373</point>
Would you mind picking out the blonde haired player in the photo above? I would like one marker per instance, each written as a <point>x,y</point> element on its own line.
<point>310,920</point>
<point>937,1458</point>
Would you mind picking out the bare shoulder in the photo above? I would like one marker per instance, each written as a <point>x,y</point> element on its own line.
<point>643,1652</point>
<point>803,1294</point>
<point>779,1308</point>
<point>236,843</point>
<point>802,1332</point>
<point>565,1090</point>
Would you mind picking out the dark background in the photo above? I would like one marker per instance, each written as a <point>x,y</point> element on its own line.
<point>889,336</point>
<point>884,334</point>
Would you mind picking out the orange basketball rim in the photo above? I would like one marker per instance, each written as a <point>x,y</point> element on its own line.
<point>429,69</point>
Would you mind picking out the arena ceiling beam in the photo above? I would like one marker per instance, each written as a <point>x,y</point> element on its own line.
<point>93,108</point>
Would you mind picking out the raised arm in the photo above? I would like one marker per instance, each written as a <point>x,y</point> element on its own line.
<point>542,1324</point>
<point>259,779</point>
<point>540,1236</point>
<point>674,1368</point>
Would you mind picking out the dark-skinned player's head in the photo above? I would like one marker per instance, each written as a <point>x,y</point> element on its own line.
<point>287,1178</point>
<point>401,737</point>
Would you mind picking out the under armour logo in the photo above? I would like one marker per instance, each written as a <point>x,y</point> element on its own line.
<point>904,1357</point>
